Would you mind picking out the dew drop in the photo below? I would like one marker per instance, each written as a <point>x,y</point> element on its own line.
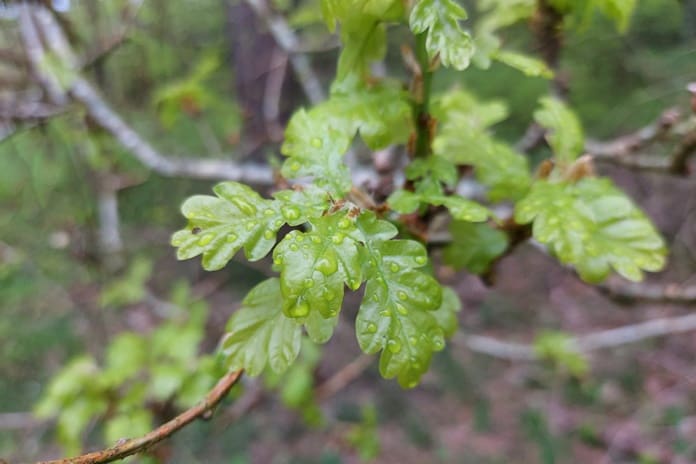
<point>401,310</point>
<point>354,284</point>
<point>327,265</point>
<point>385,313</point>
<point>290,213</point>
<point>231,238</point>
<point>299,238</point>
<point>277,261</point>
<point>206,239</point>
<point>294,166</point>
<point>268,212</point>
<point>308,283</point>
<point>438,342</point>
<point>268,235</point>
<point>301,309</point>
<point>371,328</point>
<point>316,239</point>
<point>250,225</point>
<point>278,223</point>
<point>316,142</point>
<point>402,295</point>
<point>243,205</point>
<point>344,223</point>
<point>421,260</point>
<point>338,238</point>
<point>413,341</point>
<point>394,267</point>
<point>294,247</point>
<point>394,346</point>
<point>328,295</point>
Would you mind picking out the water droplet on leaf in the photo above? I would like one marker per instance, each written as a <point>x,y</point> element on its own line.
<point>206,239</point>
<point>291,213</point>
<point>394,346</point>
<point>301,309</point>
<point>327,265</point>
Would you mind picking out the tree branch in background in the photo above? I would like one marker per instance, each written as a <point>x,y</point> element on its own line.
<point>286,39</point>
<point>343,377</point>
<point>108,45</point>
<point>662,293</point>
<point>136,445</point>
<point>586,343</point>
<point>626,150</point>
<point>101,113</point>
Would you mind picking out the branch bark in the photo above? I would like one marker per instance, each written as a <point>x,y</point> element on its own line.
<point>136,445</point>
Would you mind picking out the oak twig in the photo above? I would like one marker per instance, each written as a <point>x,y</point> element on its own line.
<point>135,445</point>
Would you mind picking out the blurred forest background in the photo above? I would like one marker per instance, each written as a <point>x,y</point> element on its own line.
<point>85,254</point>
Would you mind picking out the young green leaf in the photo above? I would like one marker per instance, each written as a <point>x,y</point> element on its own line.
<point>316,140</point>
<point>565,132</point>
<point>462,139</point>
<point>238,217</point>
<point>529,66</point>
<point>445,38</point>
<point>363,35</point>
<point>405,202</point>
<point>314,266</point>
<point>593,226</point>
<point>316,150</point>
<point>397,312</point>
<point>474,246</point>
<point>435,167</point>
<point>260,334</point>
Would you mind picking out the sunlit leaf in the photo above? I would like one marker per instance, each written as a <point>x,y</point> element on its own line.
<point>594,227</point>
<point>238,217</point>
<point>565,132</point>
<point>396,316</point>
<point>316,265</point>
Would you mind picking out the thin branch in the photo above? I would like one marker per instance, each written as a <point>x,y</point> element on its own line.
<point>630,143</point>
<point>36,55</point>
<point>288,41</point>
<point>136,445</point>
<point>343,377</point>
<point>102,114</point>
<point>611,338</point>
<point>663,293</point>
<point>107,46</point>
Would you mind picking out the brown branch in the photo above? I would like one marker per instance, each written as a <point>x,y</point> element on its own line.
<point>343,377</point>
<point>662,293</point>
<point>631,143</point>
<point>136,445</point>
<point>611,338</point>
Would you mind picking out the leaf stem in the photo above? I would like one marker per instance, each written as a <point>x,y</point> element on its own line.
<point>421,114</point>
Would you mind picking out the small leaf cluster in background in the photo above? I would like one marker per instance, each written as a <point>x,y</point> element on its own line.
<point>161,366</point>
